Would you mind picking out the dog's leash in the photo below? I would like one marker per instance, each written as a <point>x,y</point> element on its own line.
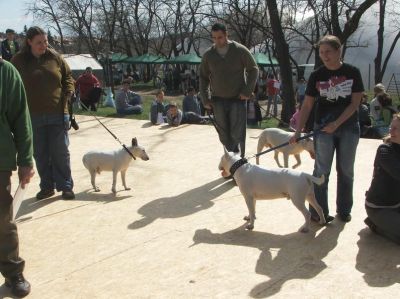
<point>286,143</point>
<point>111,133</point>
<point>213,121</point>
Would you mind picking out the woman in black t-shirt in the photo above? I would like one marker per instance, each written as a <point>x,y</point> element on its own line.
<point>336,90</point>
<point>383,201</point>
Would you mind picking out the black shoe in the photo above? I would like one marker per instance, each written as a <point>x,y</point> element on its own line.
<point>42,194</point>
<point>328,218</point>
<point>68,194</point>
<point>20,287</point>
<point>345,217</point>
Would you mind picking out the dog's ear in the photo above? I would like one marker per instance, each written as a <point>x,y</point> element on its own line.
<point>134,142</point>
<point>240,150</point>
<point>226,151</point>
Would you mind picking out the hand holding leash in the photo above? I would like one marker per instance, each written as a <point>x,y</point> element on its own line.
<point>330,127</point>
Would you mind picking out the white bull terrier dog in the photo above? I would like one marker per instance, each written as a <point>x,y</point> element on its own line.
<point>255,183</point>
<point>272,137</point>
<point>115,161</point>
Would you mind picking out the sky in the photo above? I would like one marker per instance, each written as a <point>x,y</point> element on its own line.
<point>12,15</point>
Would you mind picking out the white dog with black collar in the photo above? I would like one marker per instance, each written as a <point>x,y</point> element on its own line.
<point>256,182</point>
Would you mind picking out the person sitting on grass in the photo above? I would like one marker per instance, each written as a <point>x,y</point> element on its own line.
<point>158,109</point>
<point>190,102</point>
<point>381,125</point>
<point>128,102</point>
<point>382,201</point>
<point>174,115</point>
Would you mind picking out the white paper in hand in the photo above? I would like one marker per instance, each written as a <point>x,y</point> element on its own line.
<point>18,198</point>
<point>160,119</point>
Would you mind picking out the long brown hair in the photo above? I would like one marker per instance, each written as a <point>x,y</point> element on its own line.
<point>30,34</point>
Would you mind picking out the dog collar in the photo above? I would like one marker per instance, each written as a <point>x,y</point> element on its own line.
<point>235,166</point>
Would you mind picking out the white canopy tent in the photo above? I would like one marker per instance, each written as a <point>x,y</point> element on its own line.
<point>79,62</point>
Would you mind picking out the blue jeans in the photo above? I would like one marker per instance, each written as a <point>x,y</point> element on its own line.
<point>231,116</point>
<point>137,109</point>
<point>344,141</point>
<point>50,150</point>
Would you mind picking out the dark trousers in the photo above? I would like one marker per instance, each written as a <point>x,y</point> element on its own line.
<point>387,222</point>
<point>230,116</point>
<point>10,262</point>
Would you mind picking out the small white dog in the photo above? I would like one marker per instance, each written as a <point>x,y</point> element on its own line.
<point>272,137</point>
<point>255,183</point>
<point>115,161</point>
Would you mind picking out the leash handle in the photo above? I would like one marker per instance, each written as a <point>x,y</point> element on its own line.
<point>287,143</point>
<point>212,120</point>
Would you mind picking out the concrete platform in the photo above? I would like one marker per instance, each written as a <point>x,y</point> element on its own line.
<point>179,232</point>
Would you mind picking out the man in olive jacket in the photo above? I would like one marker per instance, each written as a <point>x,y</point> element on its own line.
<point>15,150</point>
<point>230,71</point>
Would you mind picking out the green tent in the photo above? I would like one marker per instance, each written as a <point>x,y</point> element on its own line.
<point>118,57</point>
<point>145,59</point>
<point>190,58</point>
<point>263,60</point>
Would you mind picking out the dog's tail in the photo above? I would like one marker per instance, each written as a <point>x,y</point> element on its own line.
<point>84,161</point>
<point>317,180</point>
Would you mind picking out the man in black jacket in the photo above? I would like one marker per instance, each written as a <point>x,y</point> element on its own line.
<point>9,46</point>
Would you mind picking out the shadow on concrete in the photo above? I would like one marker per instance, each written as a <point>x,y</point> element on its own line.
<point>32,204</point>
<point>378,258</point>
<point>283,257</point>
<point>6,292</point>
<point>184,204</point>
<point>147,125</point>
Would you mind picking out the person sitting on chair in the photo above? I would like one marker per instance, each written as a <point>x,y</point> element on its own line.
<point>84,85</point>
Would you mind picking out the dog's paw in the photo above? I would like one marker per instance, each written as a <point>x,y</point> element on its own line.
<point>304,229</point>
<point>126,188</point>
<point>114,191</point>
<point>249,226</point>
<point>96,189</point>
<point>247,218</point>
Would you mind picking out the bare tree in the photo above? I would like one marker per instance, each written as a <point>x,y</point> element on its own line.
<point>379,67</point>
<point>48,11</point>
<point>282,53</point>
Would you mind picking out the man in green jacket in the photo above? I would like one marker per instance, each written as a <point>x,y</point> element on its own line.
<point>230,71</point>
<point>15,150</point>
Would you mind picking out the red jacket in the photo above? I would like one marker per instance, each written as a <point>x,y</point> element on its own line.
<point>271,89</point>
<point>85,83</point>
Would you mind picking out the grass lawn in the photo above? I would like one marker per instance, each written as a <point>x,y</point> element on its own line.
<point>147,93</point>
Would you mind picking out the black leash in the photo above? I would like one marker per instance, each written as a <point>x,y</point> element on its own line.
<point>112,134</point>
<point>213,121</point>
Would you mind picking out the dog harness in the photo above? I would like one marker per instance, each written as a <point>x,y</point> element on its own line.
<point>235,166</point>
